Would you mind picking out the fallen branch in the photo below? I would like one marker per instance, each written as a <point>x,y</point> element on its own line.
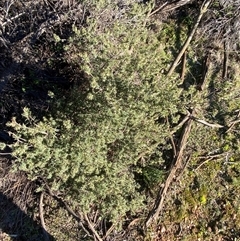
<point>178,164</point>
<point>109,231</point>
<point>184,167</point>
<point>187,121</point>
<point>62,201</point>
<point>45,233</point>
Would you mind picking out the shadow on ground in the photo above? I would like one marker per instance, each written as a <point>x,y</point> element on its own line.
<point>16,225</point>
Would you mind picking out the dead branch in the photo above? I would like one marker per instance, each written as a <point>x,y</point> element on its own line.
<point>207,123</point>
<point>184,167</point>
<point>5,154</point>
<point>8,6</point>
<point>232,125</point>
<point>179,4</point>
<point>183,65</point>
<point>225,60</point>
<point>92,228</point>
<point>205,67</point>
<point>62,201</point>
<point>186,118</point>
<point>173,146</point>
<point>79,217</point>
<point>158,9</point>
<point>187,125</point>
<point>203,9</point>
<point>209,158</point>
<point>178,164</point>
<point>109,231</point>
<point>45,234</point>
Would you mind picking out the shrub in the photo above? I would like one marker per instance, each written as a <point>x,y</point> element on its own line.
<point>91,145</point>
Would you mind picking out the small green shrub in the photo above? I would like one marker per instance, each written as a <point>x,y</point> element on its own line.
<point>90,147</point>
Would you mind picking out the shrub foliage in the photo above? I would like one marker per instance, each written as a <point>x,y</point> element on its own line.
<point>97,138</point>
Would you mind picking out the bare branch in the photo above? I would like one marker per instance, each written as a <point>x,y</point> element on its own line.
<point>92,228</point>
<point>9,20</point>
<point>207,123</point>
<point>177,5</point>
<point>45,234</point>
<point>158,9</point>
<point>210,158</point>
<point>203,9</point>
<point>153,215</point>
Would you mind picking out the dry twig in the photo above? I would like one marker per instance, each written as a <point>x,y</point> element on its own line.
<point>207,123</point>
<point>233,123</point>
<point>158,9</point>
<point>177,4</point>
<point>209,158</point>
